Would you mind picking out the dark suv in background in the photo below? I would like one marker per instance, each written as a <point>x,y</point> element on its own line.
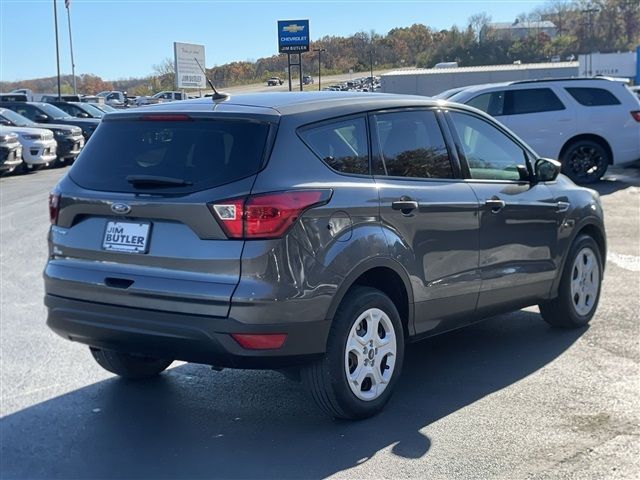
<point>45,114</point>
<point>314,233</point>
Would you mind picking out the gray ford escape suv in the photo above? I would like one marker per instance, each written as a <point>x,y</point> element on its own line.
<point>315,233</point>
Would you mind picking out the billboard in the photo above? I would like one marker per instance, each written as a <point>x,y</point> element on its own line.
<point>188,73</point>
<point>293,36</point>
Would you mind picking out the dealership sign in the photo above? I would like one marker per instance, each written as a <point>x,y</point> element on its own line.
<point>293,36</point>
<point>608,64</point>
<point>186,59</point>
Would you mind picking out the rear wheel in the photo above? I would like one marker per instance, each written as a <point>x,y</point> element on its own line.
<point>363,361</point>
<point>585,161</point>
<point>127,365</point>
<point>579,290</point>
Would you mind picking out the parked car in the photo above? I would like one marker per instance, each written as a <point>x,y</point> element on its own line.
<point>69,139</point>
<point>45,113</point>
<point>307,79</point>
<point>79,109</point>
<point>274,81</point>
<point>286,243</point>
<point>38,147</point>
<point>636,90</point>
<point>10,151</point>
<point>586,123</point>
<point>115,98</point>
<point>161,97</point>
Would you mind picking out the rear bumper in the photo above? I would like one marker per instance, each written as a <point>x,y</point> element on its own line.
<point>191,338</point>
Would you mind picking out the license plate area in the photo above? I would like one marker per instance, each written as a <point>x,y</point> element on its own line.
<point>128,237</point>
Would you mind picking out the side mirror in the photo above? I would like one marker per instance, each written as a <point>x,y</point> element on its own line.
<point>4,122</point>
<point>547,170</point>
<point>83,115</point>
<point>40,118</point>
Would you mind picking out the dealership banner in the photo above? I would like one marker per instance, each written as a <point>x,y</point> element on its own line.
<point>293,36</point>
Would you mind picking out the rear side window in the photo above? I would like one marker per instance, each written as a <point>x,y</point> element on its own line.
<point>593,97</point>
<point>491,103</point>
<point>412,145</point>
<point>342,145</point>
<point>202,153</point>
<point>531,100</point>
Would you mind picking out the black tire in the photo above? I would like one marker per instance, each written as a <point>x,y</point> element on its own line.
<point>562,312</point>
<point>127,365</point>
<point>585,161</point>
<point>326,378</point>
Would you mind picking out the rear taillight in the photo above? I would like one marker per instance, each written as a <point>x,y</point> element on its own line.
<point>636,115</point>
<point>268,215</point>
<point>54,207</point>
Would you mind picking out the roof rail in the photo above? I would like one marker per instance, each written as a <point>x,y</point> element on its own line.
<point>564,79</point>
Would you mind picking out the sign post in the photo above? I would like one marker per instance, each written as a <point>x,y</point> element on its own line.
<point>293,39</point>
<point>187,60</point>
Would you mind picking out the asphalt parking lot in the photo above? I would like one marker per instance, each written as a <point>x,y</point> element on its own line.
<point>507,398</point>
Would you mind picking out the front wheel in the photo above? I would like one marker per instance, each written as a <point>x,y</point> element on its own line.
<point>363,361</point>
<point>579,290</point>
<point>127,365</point>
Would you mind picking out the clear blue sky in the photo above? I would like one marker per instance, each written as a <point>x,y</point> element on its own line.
<point>125,38</point>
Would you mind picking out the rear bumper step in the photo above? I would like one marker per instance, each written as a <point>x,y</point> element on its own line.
<point>191,338</point>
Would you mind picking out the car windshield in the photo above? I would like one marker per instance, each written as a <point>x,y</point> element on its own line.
<point>90,109</point>
<point>54,112</point>
<point>105,108</point>
<point>15,118</point>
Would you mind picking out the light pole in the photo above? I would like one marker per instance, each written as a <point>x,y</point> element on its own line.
<point>55,19</point>
<point>67,4</point>
<point>319,50</point>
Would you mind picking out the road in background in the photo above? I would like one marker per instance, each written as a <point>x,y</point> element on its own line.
<point>507,398</point>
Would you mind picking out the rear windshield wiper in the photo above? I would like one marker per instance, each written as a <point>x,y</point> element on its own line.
<point>155,181</point>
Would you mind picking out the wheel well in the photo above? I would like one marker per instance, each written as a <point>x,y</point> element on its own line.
<point>389,282</point>
<point>595,233</point>
<point>588,136</point>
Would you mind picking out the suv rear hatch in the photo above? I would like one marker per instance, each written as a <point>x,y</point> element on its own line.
<point>132,222</point>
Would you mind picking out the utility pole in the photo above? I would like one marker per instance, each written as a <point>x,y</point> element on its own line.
<point>67,4</point>
<point>590,12</point>
<point>319,50</point>
<point>55,19</point>
<point>371,62</point>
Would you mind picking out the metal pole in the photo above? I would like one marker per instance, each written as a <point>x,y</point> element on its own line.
<point>371,79</point>
<point>55,19</point>
<point>289,69</point>
<point>319,50</point>
<point>73,65</point>
<point>300,68</point>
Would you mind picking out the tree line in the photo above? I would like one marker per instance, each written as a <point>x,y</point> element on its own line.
<point>583,26</point>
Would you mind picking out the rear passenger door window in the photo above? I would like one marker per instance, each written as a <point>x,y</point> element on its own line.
<point>342,145</point>
<point>593,97</point>
<point>411,145</point>
<point>490,154</point>
<point>26,110</point>
<point>491,103</point>
<point>531,100</point>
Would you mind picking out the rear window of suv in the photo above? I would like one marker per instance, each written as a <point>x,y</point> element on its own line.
<point>202,153</point>
<point>593,97</point>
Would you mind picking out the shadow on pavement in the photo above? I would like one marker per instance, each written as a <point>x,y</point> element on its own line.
<point>618,178</point>
<point>194,423</point>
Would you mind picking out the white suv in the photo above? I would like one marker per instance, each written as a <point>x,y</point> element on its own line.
<point>586,123</point>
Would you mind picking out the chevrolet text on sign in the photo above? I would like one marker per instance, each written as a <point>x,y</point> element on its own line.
<point>293,36</point>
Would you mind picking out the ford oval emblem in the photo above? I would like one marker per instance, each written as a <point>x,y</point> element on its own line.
<point>120,208</point>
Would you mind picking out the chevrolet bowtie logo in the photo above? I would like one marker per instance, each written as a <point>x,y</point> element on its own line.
<point>293,28</point>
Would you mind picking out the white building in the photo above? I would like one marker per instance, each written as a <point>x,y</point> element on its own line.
<point>431,81</point>
<point>518,29</point>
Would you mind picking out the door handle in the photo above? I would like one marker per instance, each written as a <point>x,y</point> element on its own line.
<point>495,204</point>
<point>562,207</point>
<point>406,206</point>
